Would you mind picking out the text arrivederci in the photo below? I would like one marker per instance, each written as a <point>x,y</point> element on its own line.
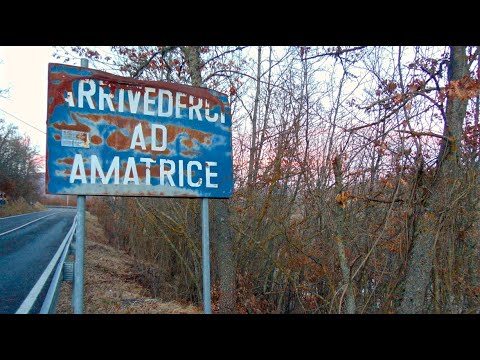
<point>155,102</point>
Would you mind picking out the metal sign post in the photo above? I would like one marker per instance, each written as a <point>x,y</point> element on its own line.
<point>206,257</point>
<point>78,282</point>
<point>79,256</point>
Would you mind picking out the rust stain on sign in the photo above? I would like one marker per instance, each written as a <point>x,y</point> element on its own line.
<point>118,141</point>
<point>76,127</point>
<point>96,140</point>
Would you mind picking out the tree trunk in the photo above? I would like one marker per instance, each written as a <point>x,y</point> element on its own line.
<point>420,263</point>
<point>253,145</point>
<point>193,60</point>
<point>350,298</point>
<point>222,236</point>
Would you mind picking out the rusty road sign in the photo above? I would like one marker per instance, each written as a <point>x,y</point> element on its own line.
<point>111,135</point>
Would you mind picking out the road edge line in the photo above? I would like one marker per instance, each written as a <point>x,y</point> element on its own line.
<point>32,296</point>
<point>31,222</point>
<point>34,212</point>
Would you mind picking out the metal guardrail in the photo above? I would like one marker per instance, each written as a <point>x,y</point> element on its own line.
<point>63,271</point>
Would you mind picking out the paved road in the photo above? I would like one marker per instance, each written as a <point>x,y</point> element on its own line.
<point>27,244</point>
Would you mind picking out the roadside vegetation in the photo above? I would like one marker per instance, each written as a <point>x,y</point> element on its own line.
<point>20,174</point>
<point>113,284</point>
<point>20,206</point>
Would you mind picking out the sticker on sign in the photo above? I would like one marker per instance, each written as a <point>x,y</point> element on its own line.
<point>75,138</point>
<point>111,135</point>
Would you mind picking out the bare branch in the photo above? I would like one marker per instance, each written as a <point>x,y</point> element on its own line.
<point>336,53</point>
<point>423,133</point>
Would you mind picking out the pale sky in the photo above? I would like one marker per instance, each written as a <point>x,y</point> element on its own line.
<point>24,69</point>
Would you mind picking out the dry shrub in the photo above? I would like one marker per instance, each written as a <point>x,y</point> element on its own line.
<point>93,229</point>
<point>20,206</point>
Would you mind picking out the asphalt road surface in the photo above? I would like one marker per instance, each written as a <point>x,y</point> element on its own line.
<point>27,244</point>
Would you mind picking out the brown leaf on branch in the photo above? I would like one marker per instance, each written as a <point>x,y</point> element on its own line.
<point>342,198</point>
<point>397,99</point>
<point>391,86</point>
<point>463,89</point>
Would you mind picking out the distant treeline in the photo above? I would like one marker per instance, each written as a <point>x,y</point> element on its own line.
<point>19,165</point>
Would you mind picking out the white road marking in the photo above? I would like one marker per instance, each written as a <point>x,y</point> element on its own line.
<point>35,212</point>
<point>43,217</point>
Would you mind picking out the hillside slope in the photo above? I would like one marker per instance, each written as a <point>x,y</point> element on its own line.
<point>111,285</point>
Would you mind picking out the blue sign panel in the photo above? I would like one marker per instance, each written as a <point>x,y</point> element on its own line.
<point>111,135</point>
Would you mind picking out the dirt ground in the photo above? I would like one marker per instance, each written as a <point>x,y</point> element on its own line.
<point>111,285</point>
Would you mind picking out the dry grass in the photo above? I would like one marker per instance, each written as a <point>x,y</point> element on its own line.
<point>20,206</point>
<point>111,285</point>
